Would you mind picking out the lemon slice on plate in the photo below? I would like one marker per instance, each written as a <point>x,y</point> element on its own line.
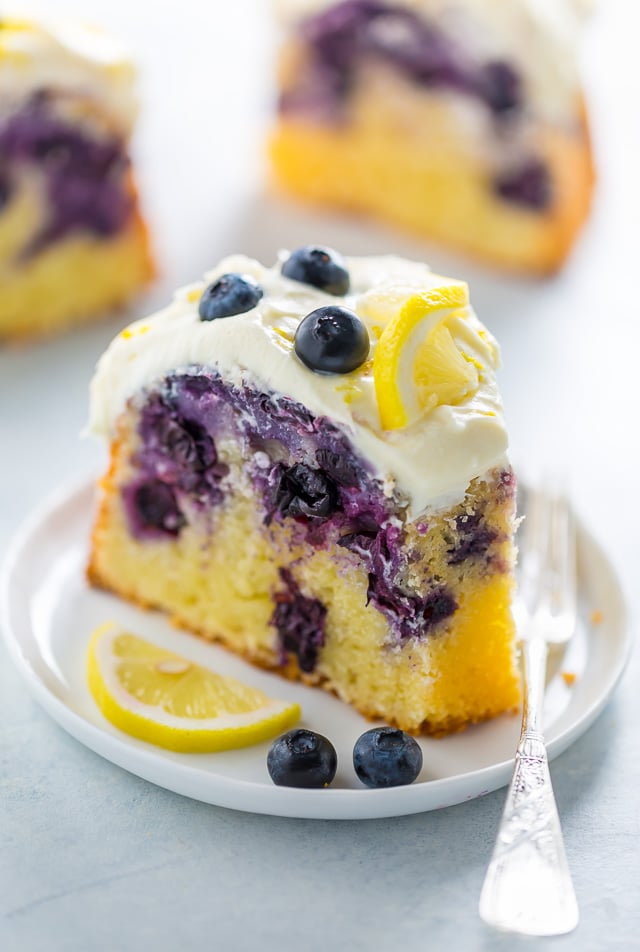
<point>171,702</point>
<point>417,364</point>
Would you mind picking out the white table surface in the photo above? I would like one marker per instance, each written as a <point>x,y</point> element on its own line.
<point>93,858</point>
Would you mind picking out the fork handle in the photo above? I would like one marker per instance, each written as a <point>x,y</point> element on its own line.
<point>528,888</point>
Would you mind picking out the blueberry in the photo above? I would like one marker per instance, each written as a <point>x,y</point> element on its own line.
<point>387,757</point>
<point>302,758</point>
<point>300,623</point>
<point>156,507</point>
<point>332,340</point>
<point>528,184</point>
<point>231,294</point>
<point>474,537</point>
<point>5,191</point>
<point>501,87</point>
<point>322,267</point>
<point>301,491</point>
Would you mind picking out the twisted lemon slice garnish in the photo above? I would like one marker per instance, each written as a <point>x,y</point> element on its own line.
<point>417,364</point>
<point>169,701</point>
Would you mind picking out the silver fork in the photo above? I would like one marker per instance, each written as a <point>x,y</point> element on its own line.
<point>528,888</point>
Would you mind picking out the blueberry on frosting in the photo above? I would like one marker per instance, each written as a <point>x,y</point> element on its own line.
<point>231,294</point>
<point>321,267</point>
<point>332,340</point>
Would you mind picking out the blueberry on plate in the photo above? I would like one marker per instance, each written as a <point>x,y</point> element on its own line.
<point>321,267</point>
<point>231,294</point>
<point>302,758</point>
<point>387,757</point>
<point>332,340</point>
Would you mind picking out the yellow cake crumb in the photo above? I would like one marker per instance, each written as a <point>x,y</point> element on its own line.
<point>72,281</point>
<point>380,166</point>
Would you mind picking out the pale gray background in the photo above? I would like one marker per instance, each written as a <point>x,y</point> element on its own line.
<point>94,858</point>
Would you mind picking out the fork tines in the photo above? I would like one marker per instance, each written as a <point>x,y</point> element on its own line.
<point>547,566</point>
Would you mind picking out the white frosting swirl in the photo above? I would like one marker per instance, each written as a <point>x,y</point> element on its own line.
<point>430,463</point>
<point>67,57</point>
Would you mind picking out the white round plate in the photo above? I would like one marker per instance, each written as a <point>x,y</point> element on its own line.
<point>50,611</point>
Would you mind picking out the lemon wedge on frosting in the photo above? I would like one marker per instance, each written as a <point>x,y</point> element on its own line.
<point>169,701</point>
<point>417,364</point>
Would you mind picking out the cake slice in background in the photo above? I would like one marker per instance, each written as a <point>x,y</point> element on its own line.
<point>308,464</point>
<point>461,120</point>
<point>72,240</point>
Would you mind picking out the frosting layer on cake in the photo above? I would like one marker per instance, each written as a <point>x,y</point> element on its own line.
<point>67,57</point>
<point>428,463</point>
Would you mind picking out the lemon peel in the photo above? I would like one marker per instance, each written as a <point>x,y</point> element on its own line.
<point>169,701</point>
<point>417,364</point>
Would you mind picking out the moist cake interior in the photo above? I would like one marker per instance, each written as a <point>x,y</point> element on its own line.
<point>256,523</point>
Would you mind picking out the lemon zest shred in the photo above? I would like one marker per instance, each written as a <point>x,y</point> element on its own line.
<point>287,335</point>
<point>130,332</point>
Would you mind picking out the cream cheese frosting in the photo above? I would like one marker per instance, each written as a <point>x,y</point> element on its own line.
<point>429,463</point>
<point>540,37</point>
<point>66,56</point>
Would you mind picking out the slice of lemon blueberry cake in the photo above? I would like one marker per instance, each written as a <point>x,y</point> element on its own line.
<point>308,464</point>
<point>462,120</point>
<point>72,241</point>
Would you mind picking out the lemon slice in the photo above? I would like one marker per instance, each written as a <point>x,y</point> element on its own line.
<point>417,364</point>
<point>168,701</point>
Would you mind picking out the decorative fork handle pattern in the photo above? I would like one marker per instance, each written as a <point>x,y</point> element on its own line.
<point>528,886</point>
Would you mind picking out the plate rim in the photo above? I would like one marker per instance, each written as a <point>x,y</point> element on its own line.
<point>333,803</point>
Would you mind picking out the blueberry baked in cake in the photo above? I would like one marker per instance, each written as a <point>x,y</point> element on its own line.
<point>309,465</point>
<point>72,240</point>
<point>461,120</point>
